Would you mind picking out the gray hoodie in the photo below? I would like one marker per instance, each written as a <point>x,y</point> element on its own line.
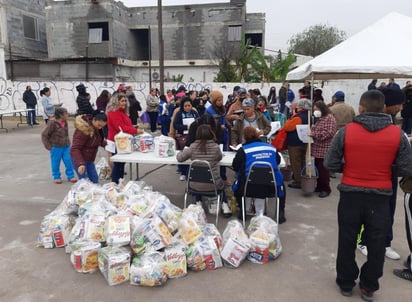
<point>334,159</point>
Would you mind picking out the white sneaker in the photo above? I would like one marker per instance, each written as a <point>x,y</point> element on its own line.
<point>182,177</point>
<point>198,203</point>
<point>212,208</point>
<point>363,249</point>
<point>391,254</point>
<point>227,212</point>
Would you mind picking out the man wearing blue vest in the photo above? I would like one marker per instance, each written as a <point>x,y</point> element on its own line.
<point>365,151</point>
<point>255,150</point>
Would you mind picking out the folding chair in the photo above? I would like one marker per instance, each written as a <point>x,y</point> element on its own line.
<point>261,179</point>
<point>200,171</point>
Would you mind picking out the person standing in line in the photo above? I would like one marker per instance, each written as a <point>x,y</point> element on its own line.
<point>55,138</point>
<point>372,85</point>
<point>365,199</point>
<point>406,112</point>
<point>117,118</point>
<point>164,117</point>
<point>392,84</point>
<point>272,99</point>
<point>394,98</point>
<point>134,105</point>
<point>152,109</point>
<point>102,100</point>
<point>322,133</point>
<point>49,106</point>
<point>83,100</point>
<point>297,148</point>
<point>406,273</point>
<point>87,138</point>
<point>31,101</point>
<point>342,112</point>
<point>235,109</point>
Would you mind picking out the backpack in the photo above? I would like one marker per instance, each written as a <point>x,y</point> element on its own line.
<point>406,184</point>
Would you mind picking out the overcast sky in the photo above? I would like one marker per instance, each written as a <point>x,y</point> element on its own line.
<point>286,18</point>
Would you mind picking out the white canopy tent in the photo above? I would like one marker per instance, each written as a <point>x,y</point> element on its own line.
<point>382,50</point>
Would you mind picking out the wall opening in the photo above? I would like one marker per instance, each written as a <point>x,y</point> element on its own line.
<point>142,43</point>
<point>98,32</point>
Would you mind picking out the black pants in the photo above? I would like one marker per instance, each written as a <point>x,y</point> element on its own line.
<point>153,120</point>
<point>408,225</point>
<point>372,211</point>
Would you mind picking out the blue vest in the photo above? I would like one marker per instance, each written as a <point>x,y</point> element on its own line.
<point>259,151</point>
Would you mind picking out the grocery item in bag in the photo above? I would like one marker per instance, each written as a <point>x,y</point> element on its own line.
<point>114,264</point>
<point>175,256</point>
<point>148,270</point>
<point>145,142</point>
<point>84,256</point>
<point>118,230</point>
<point>123,142</point>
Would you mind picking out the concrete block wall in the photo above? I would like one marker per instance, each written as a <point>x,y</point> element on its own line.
<point>21,47</point>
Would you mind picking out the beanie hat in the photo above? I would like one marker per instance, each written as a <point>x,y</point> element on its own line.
<point>241,90</point>
<point>339,95</point>
<point>214,95</point>
<point>248,103</point>
<point>393,97</point>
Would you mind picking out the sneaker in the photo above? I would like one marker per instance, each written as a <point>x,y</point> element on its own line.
<point>199,202</point>
<point>73,180</point>
<point>58,181</point>
<point>366,295</point>
<point>182,177</point>
<point>227,212</point>
<point>391,254</point>
<point>228,183</point>
<point>35,123</point>
<point>363,249</point>
<point>346,292</point>
<point>403,273</point>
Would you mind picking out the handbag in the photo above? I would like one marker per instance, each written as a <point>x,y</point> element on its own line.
<point>280,142</point>
<point>181,141</point>
<point>406,184</point>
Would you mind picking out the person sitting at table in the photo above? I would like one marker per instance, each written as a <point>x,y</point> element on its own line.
<point>253,149</point>
<point>181,123</point>
<point>118,118</point>
<point>206,148</point>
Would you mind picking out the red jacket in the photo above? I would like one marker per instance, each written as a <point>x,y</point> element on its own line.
<point>369,156</point>
<point>116,120</point>
<point>86,141</point>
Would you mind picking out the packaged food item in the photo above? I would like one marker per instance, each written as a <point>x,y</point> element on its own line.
<point>150,232</point>
<point>211,231</point>
<point>84,256</point>
<point>114,264</point>
<point>189,227</point>
<point>148,270</point>
<point>118,230</point>
<point>94,227</point>
<point>123,142</point>
<point>55,230</point>
<point>145,142</point>
<point>164,146</point>
<point>235,245</point>
<point>175,256</point>
<point>264,239</point>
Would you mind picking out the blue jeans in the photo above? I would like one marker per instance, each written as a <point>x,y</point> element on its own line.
<point>31,116</point>
<point>56,155</point>
<point>153,120</point>
<point>117,172</point>
<point>89,172</point>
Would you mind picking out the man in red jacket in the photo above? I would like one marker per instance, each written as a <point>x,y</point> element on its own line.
<point>366,150</point>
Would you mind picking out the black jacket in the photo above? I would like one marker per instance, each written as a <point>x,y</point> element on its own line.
<point>30,99</point>
<point>83,104</point>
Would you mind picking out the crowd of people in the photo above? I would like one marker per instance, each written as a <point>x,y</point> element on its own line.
<point>204,125</point>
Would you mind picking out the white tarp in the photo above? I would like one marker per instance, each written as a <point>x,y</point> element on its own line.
<point>382,50</point>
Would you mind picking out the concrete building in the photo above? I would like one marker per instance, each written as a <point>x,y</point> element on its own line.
<point>105,40</point>
<point>23,29</point>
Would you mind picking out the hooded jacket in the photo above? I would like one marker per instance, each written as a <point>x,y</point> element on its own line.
<point>86,141</point>
<point>237,130</point>
<point>373,123</point>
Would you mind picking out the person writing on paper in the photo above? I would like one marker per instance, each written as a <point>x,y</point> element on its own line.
<point>181,123</point>
<point>322,133</point>
<point>249,118</point>
<point>297,148</point>
<point>253,150</point>
<point>118,120</point>
<point>206,148</point>
<point>87,138</point>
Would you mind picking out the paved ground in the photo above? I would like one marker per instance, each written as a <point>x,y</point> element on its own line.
<point>304,272</point>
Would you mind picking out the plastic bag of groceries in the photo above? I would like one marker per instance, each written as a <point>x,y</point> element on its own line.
<point>145,142</point>
<point>134,187</point>
<point>84,256</point>
<point>101,206</point>
<point>203,254</point>
<point>115,195</point>
<point>103,169</point>
<point>150,232</point>
<point>264,239</point>
<point>168,212</point>
<point>55,230</point>
<point>90,226</point>
<point>235,245</point>
<point>191,223</point>
<point>138,241</point>
<point>117,230</point>
<point>175,257</point>
<point>83,191</point>
<point>123,142</point>
<point>211,230</point>
<point>148,270</point>
<point>164,146</point>
<point>114,264</point>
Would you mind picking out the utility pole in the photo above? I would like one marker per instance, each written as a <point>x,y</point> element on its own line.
<point>161,48</point>
<point>150,58</point>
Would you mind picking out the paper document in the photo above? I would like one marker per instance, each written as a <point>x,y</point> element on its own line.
<point>111,146</point>
<point>302,131</point>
